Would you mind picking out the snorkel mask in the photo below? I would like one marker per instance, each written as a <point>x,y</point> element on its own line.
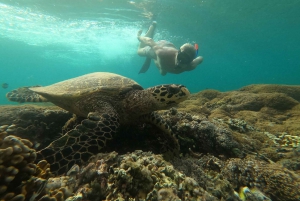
<point>185,57</point>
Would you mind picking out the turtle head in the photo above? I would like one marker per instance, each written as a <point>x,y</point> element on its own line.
<point>168,95</point>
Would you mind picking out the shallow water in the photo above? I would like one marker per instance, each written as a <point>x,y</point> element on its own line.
<point>242,42</point>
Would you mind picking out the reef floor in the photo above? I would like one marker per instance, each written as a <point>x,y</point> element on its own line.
<point>236,145</point>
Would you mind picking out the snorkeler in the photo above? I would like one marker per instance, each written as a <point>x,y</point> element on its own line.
<point>165,55</point>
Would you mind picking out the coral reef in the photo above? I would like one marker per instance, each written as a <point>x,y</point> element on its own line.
<point>289,90</point>
<point>251,194</point>
<point>279,183</point>
<point>284,140</point>
<point>59,188</point>
<point>146,176</point>
<point>135,176</point>
<point>237,145</point>
<point>20,177</point>
<point>215,175</point>
<point>40,124</point>
<point>197,133</point>
<point>261,118</point>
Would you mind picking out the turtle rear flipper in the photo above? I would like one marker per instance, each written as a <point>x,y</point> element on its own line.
<point>24,94</point>
<point>80,143</point>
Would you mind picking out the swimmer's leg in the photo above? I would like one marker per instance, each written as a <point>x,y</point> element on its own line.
<point>147,50</point>
<point>150,33</point>
<point>142,47</point>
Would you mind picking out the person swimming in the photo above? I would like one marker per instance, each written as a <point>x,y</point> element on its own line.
<point>165,55</point>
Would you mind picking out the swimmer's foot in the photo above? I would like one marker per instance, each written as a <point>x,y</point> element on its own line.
<point>152,27</point>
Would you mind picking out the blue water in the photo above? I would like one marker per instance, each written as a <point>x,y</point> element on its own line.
<point>242,42</point>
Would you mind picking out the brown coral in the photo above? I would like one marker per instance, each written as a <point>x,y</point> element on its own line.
<point>276,181</point>
<point>36,123</point>
<point>135,176</point>
<point>16,165</point>
<point>290,90</point>
<point>20,177</point>
<point>197,133</point>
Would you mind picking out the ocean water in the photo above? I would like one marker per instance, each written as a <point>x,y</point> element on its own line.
<point>242,42</point>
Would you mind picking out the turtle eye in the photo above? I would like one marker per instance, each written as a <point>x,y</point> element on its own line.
<point>173,89</point>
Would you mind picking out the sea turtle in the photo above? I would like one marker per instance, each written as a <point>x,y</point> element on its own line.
<point>104,101</point>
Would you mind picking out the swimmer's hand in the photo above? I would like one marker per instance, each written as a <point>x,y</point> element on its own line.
<point>139,33</point>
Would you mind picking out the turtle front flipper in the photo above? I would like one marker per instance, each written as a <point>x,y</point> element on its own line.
<point>80,143</point>
<point>171,144</point>
<point>24,94</point>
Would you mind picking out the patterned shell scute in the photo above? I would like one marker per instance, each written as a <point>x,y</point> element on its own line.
<point>102,82</point>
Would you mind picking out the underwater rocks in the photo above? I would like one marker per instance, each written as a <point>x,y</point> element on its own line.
<point>40,124</point>
<point>262,119</point>
<point>277,182</point>
<point>289,90</point>
<point>238,100</point>
<point>217,176</point>
<point>196,133</point>
<point>142,176</point>
<point>237,145</point>
<point>249,98</point>
<point>145,176</point>
<point>133,176</point>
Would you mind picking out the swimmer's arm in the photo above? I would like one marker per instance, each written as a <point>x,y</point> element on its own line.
<point>162,71</point>
<point>195,63</point>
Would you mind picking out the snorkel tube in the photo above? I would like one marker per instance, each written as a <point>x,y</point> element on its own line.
<point>196,47</point>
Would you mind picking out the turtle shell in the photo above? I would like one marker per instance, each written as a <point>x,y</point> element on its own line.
<point>66,93</point>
